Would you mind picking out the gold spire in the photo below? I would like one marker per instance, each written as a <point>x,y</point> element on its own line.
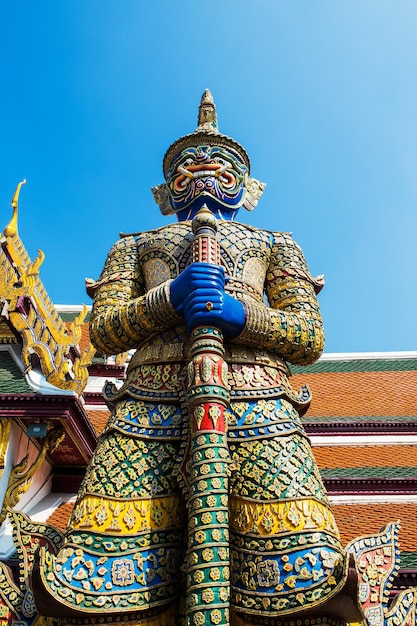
<point>207,116</point>
<point>11,228</point>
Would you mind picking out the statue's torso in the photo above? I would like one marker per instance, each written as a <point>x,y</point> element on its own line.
<point>156,371</point>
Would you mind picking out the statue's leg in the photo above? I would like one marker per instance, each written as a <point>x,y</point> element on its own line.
<point>286,556</point>
<point>124,546</point>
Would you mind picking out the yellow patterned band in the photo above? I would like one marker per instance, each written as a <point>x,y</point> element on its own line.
<point>126,516</point>
<point>275,518</point>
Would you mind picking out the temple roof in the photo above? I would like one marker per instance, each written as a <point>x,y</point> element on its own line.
<point>376,457</point>
<point>61,515</point>
<point>358,388</point>
<point>98,419</point>
<point>11,378</point>
<point>50,348</point>
<point>362,424</point>
<point>370,517</point>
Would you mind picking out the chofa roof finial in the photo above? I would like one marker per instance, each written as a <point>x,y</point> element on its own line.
<point>11,228</point>
<point>207,116</point>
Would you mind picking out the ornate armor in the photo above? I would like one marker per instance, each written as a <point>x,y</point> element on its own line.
<point>285,550</point>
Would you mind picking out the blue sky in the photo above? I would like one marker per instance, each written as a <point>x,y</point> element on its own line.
<point>323,95</point>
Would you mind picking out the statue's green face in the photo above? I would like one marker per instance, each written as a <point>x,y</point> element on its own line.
<point>206,174</point>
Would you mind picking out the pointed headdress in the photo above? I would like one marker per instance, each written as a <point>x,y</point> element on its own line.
<point>206,134</point>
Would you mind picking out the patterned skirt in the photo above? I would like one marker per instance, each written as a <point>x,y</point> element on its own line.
<point>125,548</point>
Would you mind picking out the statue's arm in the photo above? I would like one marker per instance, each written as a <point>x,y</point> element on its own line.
<point>124,313</point>
<point>291,326</point>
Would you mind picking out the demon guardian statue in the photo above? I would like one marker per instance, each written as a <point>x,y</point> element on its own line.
<point>203,504</point>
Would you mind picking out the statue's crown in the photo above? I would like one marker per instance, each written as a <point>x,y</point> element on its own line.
<point>206,134</point>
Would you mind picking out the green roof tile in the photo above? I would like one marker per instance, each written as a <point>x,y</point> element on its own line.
<point>359,419</point>
<point>11,377</point>
<point>408,560</point>
<point>358,365</point>
<point>387,473</point>
<point>69,316</point>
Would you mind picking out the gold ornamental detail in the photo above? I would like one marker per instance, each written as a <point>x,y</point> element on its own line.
<point>126,516</point>
<point>273,518</point>
<point>26,305</point>
<point>21,475</point>
<point>5,426</point>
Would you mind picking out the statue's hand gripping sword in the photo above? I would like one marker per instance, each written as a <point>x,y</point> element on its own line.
<point>208,586</point>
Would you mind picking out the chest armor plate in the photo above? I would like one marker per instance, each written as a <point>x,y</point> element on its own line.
<point>245,253</point>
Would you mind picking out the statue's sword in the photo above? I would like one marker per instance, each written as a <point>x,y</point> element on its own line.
<point>208,585</point>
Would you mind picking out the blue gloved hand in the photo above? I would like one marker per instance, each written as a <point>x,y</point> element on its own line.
<point>214,307</point>
<point>196,276</point>
<point>198,294</point>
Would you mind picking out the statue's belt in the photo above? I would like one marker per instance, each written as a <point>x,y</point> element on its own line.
<point>177,351</point>
<point>251,375</point>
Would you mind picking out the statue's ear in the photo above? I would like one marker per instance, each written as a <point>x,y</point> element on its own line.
<point>254,189</point>
<point>161,197</point>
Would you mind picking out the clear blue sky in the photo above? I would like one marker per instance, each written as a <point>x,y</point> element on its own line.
<point>323,95</point>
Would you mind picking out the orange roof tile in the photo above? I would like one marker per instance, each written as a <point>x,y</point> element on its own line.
<point>347,394</point>
<point>98,419</point>
<point>85,335</point>
<point>61,515</point>
<point>365,456</point>
<point>355,520</point>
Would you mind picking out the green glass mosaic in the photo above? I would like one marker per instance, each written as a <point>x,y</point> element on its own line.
<point>70,316</point>
<point>369,472</point>
<point>11,377</point>
<point>358,365</point>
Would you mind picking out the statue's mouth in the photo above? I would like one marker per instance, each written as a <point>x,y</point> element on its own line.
<point>204,170</point>
<point>204,174</point>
